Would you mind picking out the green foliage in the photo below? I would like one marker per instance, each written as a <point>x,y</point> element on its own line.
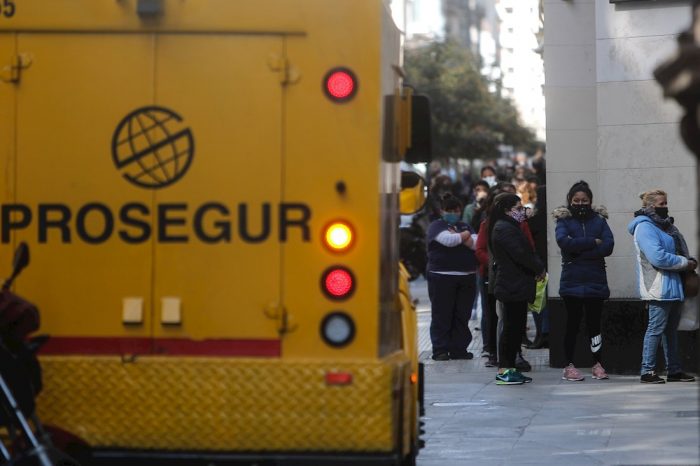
<point>468,120</point>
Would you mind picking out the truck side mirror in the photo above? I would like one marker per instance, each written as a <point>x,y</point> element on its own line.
<point>412,196</point>
<point>421,148</point>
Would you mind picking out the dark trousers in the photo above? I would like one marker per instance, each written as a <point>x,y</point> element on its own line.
<point>514,319</point>
<point>575,310</point>
<point>489,329</point>
<point>451,299</point>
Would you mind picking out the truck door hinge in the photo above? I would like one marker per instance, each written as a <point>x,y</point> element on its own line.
<point>278,312</point>
<point>289,74</point>
<point>11,73</point>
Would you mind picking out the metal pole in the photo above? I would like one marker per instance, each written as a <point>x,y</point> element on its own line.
<point>37,448</point>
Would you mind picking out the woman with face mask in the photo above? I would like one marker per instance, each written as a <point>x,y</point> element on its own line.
<point>662,254</point>
<point>516,268</point>
<point>451,281</point>
<point>585,240</point>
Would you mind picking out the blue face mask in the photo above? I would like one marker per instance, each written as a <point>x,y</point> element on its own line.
<point>451,218</point>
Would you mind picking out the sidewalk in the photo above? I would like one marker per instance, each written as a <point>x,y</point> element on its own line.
<point>471,420</point>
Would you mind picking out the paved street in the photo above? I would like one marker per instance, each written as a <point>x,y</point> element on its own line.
<point>471,420</point>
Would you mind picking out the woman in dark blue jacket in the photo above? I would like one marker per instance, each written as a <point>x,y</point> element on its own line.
<point>585,240</point>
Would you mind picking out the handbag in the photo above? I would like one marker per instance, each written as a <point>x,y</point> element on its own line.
<point>691,284</point>
<point>540,295</point>
<point>690,319</point>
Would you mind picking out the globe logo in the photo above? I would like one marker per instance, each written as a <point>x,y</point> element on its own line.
<point>152,148</point>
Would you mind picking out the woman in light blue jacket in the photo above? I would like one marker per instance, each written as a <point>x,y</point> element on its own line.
<point>661,255</point>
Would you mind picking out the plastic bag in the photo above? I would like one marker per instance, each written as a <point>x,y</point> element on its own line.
<point>540,295</point>
<point>690,320</point>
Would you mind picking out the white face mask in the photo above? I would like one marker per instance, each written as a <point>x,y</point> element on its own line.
<point>491,180</point>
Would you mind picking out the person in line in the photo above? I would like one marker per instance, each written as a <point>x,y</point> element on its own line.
<point>662,254</point>
<point>474,212</point>
<point>439,186</point>
<point>472,216</point>
<point>492,324</point>
<point>516,269</point>
<point>585,240</point>
<point>489,317</point>
<point>451,281</point>
<point>538,227</point>
<point>488,174</point>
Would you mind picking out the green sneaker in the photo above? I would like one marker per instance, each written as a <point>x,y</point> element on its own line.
<point>510,377</point>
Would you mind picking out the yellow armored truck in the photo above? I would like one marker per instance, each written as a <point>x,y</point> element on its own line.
<point>210,192</point>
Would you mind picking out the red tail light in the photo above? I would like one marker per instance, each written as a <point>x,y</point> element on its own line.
<point>338,378</point>
<point>338,283</point>
<point>340,84</point>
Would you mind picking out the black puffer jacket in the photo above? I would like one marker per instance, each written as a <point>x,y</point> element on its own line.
<point>516,264</point>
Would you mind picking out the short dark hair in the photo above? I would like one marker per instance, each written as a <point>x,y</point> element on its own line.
<point>482,183</point>
<point>450,202</point>
<point>579,187</point>
<point>487,167</point>
<point>505,185</point>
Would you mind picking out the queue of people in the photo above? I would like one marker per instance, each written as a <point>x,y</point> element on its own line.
<point>496,247</point>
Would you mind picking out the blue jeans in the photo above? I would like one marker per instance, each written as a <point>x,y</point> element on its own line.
<point>663,325</point>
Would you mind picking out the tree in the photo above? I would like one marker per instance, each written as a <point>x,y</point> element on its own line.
<point>468,120</point>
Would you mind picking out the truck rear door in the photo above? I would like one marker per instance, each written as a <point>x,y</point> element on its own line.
<point>225,271</point>
<point>150,166</point>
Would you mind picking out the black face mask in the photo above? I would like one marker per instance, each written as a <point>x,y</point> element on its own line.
<point>662,212</point>
<point>580,211</point>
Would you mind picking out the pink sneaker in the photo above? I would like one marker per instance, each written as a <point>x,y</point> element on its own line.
<point>572,374</point>
<point>599,372</point>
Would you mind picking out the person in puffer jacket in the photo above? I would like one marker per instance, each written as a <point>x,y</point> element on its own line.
<point>515,271</point>
<point>585,239</point>
<point>662,254</point>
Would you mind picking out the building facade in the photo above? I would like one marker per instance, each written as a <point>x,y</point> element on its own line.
<point>607,121</point>
<point>608,124</point>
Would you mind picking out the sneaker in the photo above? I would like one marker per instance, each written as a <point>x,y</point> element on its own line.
<point>441,357</point>
<point>680,377</point>
<point>651,377</point>
<point>492,361</point>
<point>572,374</point>
<point>599,372</point>
<point>510,377</point>
<point>485,354</point>
<point>521,364</point>
<point>465,355</point>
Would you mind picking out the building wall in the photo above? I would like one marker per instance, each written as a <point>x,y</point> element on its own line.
<point>607,121</point>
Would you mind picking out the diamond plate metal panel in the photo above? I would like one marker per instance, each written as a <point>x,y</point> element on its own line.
<point>221,404</point>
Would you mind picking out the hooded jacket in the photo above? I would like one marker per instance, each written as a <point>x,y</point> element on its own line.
<point>583,261</point>
<point>657,262</point>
